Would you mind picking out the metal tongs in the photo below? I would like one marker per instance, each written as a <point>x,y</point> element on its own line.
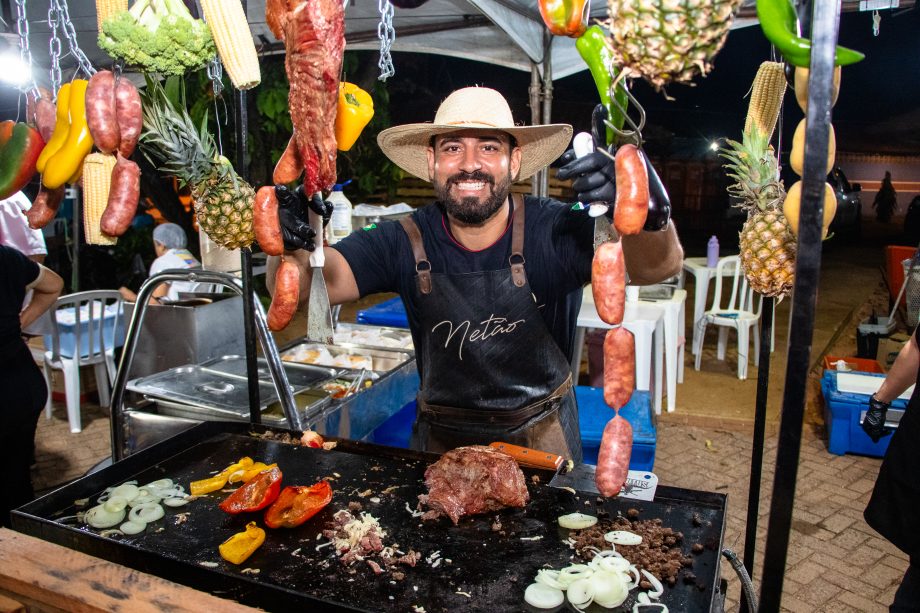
<point>356,384</point>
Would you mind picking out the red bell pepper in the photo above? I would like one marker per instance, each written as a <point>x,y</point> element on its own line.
<point>297,504</point>
<point>255,495</point>
<point>20,146</point>
<point>565,17</point>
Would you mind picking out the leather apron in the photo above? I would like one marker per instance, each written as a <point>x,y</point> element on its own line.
<point>490,369</point>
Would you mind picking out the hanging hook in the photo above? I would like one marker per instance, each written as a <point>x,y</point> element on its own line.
<point>876,22</point>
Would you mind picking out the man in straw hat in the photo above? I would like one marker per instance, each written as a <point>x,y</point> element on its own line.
<point>492,284</point>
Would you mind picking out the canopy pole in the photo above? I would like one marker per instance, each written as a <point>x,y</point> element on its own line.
<point>547,100</point>
<point>536,112</point>
<point>825,21</point>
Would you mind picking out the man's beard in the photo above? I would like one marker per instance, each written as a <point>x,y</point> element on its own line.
<point>470,210</point>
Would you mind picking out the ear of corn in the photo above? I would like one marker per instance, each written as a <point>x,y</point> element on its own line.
<point>97,179</point>
<point>766,98</point>
<point>233,39</point>
<point>107,8</point>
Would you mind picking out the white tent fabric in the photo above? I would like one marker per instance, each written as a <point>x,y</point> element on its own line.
<point>507,33</point>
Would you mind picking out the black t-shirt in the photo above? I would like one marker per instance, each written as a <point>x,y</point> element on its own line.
<point>18,272</point>
<point>558,248</point>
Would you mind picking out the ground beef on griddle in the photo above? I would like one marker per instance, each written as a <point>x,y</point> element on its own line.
<point>473,480</point>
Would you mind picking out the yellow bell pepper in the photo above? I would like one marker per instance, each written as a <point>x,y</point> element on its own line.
<point>242,544</point>
<point>61,128</point>
<point>212,484</point>
<point>67,162</point>
<point>355,110</point>
<point>248,474</point>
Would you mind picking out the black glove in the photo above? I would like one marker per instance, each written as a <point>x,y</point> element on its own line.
<point>874,422</point>
<point>292,215</point>
<point>594,174</point>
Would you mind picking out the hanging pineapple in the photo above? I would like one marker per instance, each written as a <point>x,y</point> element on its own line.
<point>223,201</point>
<point>767,246</point>
<point>668,40</point>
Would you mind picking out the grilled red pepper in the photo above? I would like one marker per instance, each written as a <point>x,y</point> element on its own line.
<point>565,17</point>
<point>20,146</point>
<point>255,495</point>
<point>297,504</point>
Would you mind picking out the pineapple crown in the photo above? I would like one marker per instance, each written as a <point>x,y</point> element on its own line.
<point>172,142</point>
<point>754,167</point>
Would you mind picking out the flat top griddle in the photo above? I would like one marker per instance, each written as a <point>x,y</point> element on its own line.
<point>488,570</point>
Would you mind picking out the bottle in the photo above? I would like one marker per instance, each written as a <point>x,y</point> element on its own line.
<point>712,252</point>
<point>340,222</point>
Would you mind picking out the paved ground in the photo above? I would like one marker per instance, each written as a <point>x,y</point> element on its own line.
<point>836,563</point>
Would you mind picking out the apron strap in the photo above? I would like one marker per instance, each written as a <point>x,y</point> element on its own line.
<point>422,265</point>
<point>516,259</point>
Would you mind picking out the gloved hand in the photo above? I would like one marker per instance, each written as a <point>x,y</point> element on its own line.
<point>594,174</point>
<point>874,422</point>
<point>292,215</point>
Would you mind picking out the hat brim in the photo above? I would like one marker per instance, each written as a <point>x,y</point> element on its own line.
<point>407,145</point>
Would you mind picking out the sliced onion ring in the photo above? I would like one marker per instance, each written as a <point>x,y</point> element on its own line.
<point>176,502</point>
<point>659,589</point>
<point>577,521</point>
<point>133,527</point>
<point>128,491</point>
<point>146,513</point>
<point>160,484</point>
<point>610,588</point>
<point>98,517</point>
<point>115,504</point>
<point>542,596</point>
<point>581,593</point>
<point>623,537</point>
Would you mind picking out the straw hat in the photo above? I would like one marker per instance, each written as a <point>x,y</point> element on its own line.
<point>474,107</point>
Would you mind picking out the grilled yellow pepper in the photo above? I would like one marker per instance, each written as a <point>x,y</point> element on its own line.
<point>212,484</point>
<point>65,165</point>
<point>248,474</point>
<point>355,110</point>
<point>242,544</point>
<point>61,128</point>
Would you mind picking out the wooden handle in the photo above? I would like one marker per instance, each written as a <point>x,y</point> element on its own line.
<point>530,457</point>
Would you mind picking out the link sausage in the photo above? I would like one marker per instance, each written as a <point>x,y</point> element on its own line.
<point>40,112</point>
<point>129,114</point>
<point>100,111</point>
<point>45,207</point>
<point>124,194</point>
<point>632,191</point>
<point>289,166</point>
<point>613,457</point>
<point>619,367</point>
<point>286,296</point>
<point>265,221</point>
<point>608,282</point>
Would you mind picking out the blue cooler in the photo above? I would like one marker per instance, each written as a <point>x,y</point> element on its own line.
<point>390,313</point>
<point>396,430</point>
<point>842,412</point>
<point>593,415</point>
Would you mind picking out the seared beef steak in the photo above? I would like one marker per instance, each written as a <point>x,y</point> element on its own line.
<point>472,480</point>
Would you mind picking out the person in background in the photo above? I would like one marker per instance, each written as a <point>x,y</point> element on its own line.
<point>169,242</point>
<point>895,502</point>
<point>15,231</point>
<point>22,385</point>
<point>886,200</point>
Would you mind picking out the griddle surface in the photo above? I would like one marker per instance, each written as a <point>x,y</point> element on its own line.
<point>493,568</point>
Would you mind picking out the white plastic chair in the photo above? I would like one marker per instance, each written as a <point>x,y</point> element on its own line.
<point>737,314</point>
<point>97,326</point>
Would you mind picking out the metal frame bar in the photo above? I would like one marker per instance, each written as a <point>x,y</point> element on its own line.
<point>824,25</point>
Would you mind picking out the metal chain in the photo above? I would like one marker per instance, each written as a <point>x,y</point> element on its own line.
<point>387,35</point>
<point>25,53</point>
<point>71,35</point>
<point>54,49</point>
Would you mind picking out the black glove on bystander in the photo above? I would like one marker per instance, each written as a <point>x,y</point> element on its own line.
<point>292,215</point>
<point>874,422</point>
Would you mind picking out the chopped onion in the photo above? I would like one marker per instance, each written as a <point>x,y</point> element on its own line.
<point>549,578</point>
<point>146,513</point>
<point>98,517</point>
<point>542,596</point>
<point>128,491</point>
<point>133,527</point>
<point>160,484</point>
<point>581,593</point>
<point>623,537</point>
<point>115,504</point>
<point>659,589</point>
<point>175,502</point>
<point>609,588</point>
<point>577,521</point>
